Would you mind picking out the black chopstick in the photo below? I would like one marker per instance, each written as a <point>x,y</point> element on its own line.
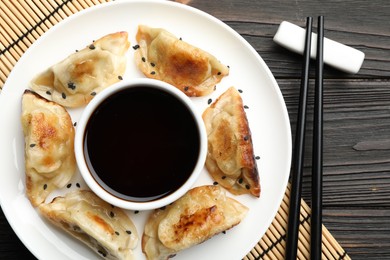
<point>297,170</point>
<point>316,181</point>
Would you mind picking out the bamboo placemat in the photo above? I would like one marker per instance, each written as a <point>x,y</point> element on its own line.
<point>22,22</point>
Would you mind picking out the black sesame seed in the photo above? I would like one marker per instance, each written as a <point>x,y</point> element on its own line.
<point>120,77</point>
<point>77,50</point>
<point>223,177</point>
<point>48,92</point>
<point>246,138</point>
<point>102,253</point>
<point>257,157</point>
<point>93,93</point>
<point>63,95</point>
<point>143,59</point>
<point>215,87</point>
<point>69,185</point>
<point>32,145</point>
<point>247,186</point>
<point>228,66</point>
<point>92,47</point>
<point>240,180</point>
<point>240,90</point>
<point>246,107</point>
<point>136,212</point>
<point>152,64</point>
<point>75,124</point>
<point>219,73</point>
<point>209,101</point>
<point>224,232</point>
<point>128,232</point>
<point>180,39</point>
<point>112,214</point>
<point>135,47</point>
<point>117,233</point>
<point>186,88</point>
<point>215,183</point>
<point>153,72</point>
<point>78,185</point>
<point>45,186</point>
<point>71,85</point>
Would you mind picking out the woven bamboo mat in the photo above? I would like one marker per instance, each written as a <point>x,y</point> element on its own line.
<point>24,21</point>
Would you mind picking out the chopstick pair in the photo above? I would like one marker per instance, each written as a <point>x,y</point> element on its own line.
<point>297,170</point>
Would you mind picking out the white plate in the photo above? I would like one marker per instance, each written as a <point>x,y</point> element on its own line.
<point>267,115</point>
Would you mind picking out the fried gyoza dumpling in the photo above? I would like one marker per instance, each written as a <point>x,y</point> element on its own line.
<point>49,140</point>
<point>74,81</point>
<point>107,230</point>
<point>197,216</point>
<point>230,158</point>
<point>161,55</point>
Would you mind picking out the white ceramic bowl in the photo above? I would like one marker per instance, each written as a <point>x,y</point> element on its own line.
<point>81,158</point>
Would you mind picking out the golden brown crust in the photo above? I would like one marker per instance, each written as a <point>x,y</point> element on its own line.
<point>163,56</point>
<point>74,81</point>
<point>197,216</point>
<point>105,229</point>
<point>49,140</point>
<point>230,158</point>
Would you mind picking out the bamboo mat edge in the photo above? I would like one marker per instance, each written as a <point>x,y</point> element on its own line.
<point>23,22</point>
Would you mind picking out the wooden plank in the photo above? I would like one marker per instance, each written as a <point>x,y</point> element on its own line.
<point>365,234</point>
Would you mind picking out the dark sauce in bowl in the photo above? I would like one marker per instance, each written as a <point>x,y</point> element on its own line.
<point>141,144</point>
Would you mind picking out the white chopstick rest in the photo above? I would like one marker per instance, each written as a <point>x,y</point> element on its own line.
<point>337,55</point>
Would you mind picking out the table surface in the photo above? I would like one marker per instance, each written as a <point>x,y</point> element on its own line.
<point>356,188</point>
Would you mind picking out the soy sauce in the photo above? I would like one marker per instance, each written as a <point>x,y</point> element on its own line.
<point>141,144</point>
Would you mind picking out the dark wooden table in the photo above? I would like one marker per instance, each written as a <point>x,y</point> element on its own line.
<point>356,113</point>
